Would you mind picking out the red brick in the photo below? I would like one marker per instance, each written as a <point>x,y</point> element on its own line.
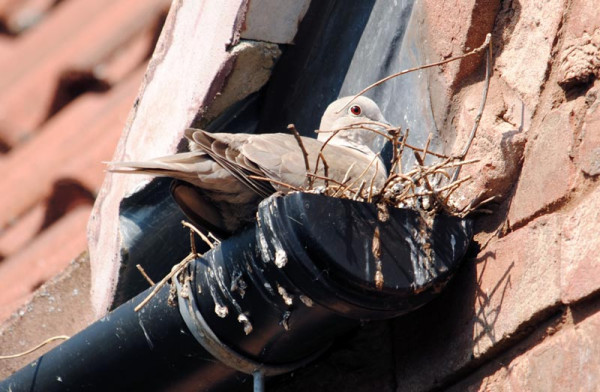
<point>508,287</point>
<point>548,173</point>
<point>28,102</point>
<point>70,139</point>
<point>566,361</point>
<point>499,144</point>
<point>580,266</point>
<point>49,254</point>
<point>448,30</point>
<point>530,30</point>
<point>587,155</point>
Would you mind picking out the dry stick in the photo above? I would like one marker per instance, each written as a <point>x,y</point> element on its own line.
<point>360,189</point>
<point>486,43</point>
<point>417,149</point>
<point>144,274</point>
<point>319,155</point>
<point>325,167</point>
<point>292,128</point>
<point>361,125</point>
<point>346,178</point>
<point>200,234</point>
<point>364,171</point>
<point>259,178</point>
<point>399,162</point>
<point>371,184</point>
<point>446,187</point>
<point>177,267</point>
<point>326,179</point>
<point>488,69</point>
<point>471,208</point>
<point>45,342</point>
<point>395,132</point>
<point>174,271</point>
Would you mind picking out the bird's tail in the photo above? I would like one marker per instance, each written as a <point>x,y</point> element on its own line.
<point>183,166</point>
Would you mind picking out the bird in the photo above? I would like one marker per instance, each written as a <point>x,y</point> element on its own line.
<point>222,179</point>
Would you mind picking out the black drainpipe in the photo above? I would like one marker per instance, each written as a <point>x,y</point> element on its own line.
<point>264,302</point>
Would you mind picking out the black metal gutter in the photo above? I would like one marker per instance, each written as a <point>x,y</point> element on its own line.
<point>263,302</point>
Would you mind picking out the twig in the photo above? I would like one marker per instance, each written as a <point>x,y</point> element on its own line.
<point>174,271</point>
<point>325,167</point>
<point>202,236</point>
<point>45,342</point>
<point>364,171</point>
<point>144,274</point>
<point>417,149</point>
<point>325,143</point>
<point>486,86</point>
<point>292,128</point>
<point>326,179</point>
<point>360,189</point>
<point>486,43</point>
<point>259,178</point>
<point>371,184</point>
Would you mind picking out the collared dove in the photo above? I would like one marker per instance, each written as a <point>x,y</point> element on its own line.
<point>214,188</point>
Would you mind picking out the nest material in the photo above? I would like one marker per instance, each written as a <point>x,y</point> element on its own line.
<point>425,187</point>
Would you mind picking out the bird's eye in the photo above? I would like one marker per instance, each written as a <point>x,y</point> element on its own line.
<point>355,110</point>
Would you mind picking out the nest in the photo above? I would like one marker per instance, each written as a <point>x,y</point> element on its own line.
<point>425,187</point>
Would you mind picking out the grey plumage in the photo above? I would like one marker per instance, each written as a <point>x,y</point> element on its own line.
<point>214,188</point>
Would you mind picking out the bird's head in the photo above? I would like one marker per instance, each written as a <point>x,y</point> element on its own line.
<point>346,112</point>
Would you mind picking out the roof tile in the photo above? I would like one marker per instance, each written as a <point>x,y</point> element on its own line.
<point>80,137</point>
<point>49,254</point>
<point>29,101</point>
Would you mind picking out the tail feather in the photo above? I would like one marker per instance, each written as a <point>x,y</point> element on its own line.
<point>183,166</point>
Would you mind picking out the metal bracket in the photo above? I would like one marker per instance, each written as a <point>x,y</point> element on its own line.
<point>211,343</point>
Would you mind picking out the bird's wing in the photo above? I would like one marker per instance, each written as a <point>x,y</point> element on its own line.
<point>280,157</point>
<point>224,149</point>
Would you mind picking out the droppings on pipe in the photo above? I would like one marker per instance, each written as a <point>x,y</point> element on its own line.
<point>281,258</point>
<point>378,275</point>
<point>306,301</point>
<point>285,320</point>
<point>221,311</point>
<point>287,298</point>
<point>238,284</point>
<point>245,321</point>
<point>269,288</point>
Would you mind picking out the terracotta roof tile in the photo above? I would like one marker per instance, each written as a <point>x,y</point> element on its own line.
<point>82,135</point>
<point>67,85</point>
<point>22,232</point>
<point>53,33</point>
<point>28,101</point>
<point>17,16</point>
<point>49,254</point>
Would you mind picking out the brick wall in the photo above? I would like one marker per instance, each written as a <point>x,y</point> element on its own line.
<point>523,314</point>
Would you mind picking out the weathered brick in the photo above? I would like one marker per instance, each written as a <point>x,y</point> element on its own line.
<point>530,29</point>
<point>580,266</point>
<point>580,53</point>
<point>587,154</point>
<point>512,283</point>
<point>498,146</point>
<point>566,361</point>
<point>548,171</point>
